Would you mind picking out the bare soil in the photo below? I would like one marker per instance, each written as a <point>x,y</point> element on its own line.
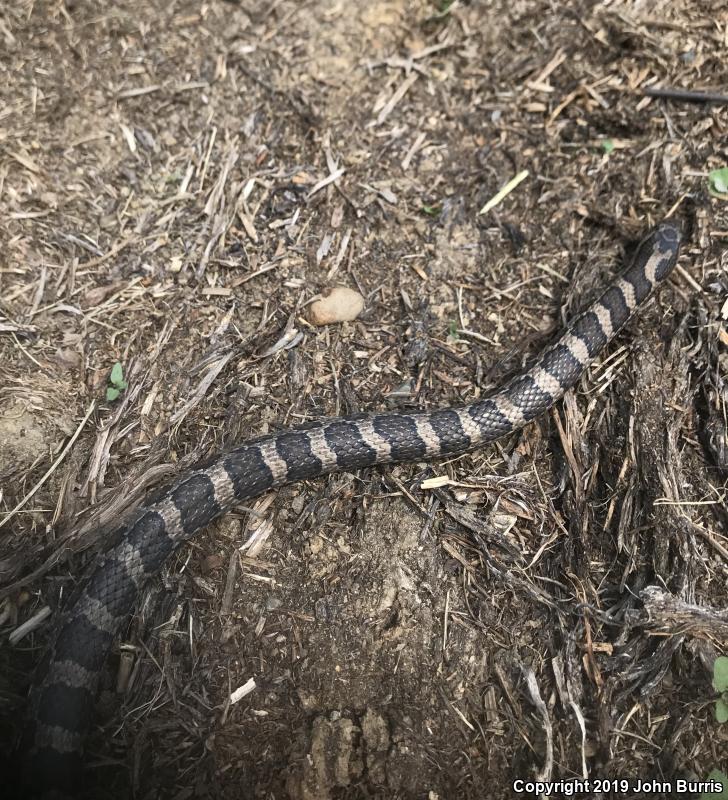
<point>177,181</point>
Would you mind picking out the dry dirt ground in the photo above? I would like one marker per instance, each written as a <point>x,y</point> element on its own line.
<point>177,181</point>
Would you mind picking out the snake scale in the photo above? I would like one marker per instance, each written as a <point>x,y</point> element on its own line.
<point>62,701</point>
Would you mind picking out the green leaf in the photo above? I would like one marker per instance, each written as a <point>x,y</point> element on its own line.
<point>721,710</point>
<point>718,181</point>
<point>607,145</point>
<point>452,329</point>
<point>720,674</point>
<point>431,211</point>
<point>717,776</point>
<point>112,394</point>
<point>117,376</point>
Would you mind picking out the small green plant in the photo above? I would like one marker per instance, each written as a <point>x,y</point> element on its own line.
<point>719,777</point>
<point>718,182</point>
<point>431,211</point>
<point>720,684</point>
<point>607,145</point>
<point>117,384</point>
<point>452,329</point>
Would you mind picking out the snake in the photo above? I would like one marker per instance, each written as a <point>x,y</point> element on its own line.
<point>61,701</point>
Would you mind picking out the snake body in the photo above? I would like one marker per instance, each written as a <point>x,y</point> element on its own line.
<point>62,702</point>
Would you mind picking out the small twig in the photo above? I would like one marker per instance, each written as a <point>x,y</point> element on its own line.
<point>537,700</point>
<point>401,91</point>
<point>201,390</point>
<point>686,95</point>
<point>29,625</point>
<point>694,285</point>
<point>115,250</point>
<point>334,176</point>
<point>505,191</point>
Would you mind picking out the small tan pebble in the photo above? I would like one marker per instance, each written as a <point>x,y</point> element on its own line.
<point>337,305</point>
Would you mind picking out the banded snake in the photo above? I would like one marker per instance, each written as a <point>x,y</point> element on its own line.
<point>62,702</point>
